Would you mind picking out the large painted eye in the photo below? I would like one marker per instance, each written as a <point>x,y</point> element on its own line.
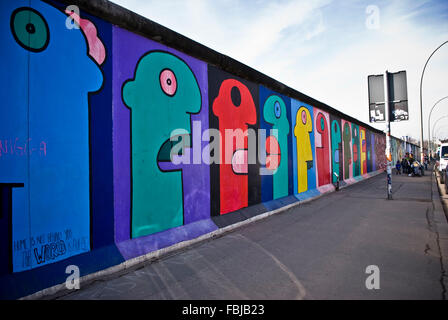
<point>235,95</point>
<point>304,117</point>
<point>168,82</point>
<point>30,29</point>
<point>277,109</point>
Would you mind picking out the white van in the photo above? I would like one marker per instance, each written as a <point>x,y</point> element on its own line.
<point>443,156</point>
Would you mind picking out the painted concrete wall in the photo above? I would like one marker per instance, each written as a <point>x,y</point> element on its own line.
<point>400,148</point>
<point>85,169</point>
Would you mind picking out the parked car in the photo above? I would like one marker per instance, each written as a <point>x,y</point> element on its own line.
<point>443,153</point>
<point>446,184</point>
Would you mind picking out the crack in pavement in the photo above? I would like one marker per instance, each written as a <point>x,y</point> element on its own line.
<point>432,227</point>
<point>301,289</point>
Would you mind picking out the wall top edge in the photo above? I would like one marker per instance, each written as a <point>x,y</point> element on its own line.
<point>131,21</point>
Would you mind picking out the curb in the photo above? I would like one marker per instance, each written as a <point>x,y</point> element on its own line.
<point>441,228</point>
<point>61,289</point>
<point>442,194</point>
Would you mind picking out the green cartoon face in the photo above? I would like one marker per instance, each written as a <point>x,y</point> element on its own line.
<point>274,113</point>
<point>162,96</point>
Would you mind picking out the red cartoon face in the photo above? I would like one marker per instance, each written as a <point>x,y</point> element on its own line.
<point>322,149</point>
<point>234,106</point>
<point>322,129</point>
<point>235,109</point>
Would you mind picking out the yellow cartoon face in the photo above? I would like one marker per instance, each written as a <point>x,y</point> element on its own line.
<point>302,130</point>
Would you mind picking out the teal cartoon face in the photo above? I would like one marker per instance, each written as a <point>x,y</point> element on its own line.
<point>274,113</point>
<point>336,152</point>
<point>347,138</point>
<point>162,96</point>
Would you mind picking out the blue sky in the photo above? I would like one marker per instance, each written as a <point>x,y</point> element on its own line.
<point>324,48</point>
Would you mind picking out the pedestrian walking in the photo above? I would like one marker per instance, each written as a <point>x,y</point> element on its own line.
<point>398,167</point>
<point>404,165</point>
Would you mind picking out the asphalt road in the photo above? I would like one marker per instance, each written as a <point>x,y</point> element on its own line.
<point>318,250</point>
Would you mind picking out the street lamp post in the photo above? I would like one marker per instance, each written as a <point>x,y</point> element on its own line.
<point>388,142</point>
<point>421,101</point>
<point>438,134</point>
<point>429,121</point>
<point>434,126</point>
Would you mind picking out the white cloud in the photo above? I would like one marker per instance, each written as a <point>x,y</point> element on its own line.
<point>322,48</point>
<point>244,30</point>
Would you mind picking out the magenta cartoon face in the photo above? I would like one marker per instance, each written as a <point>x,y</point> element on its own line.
<point>48,71</point>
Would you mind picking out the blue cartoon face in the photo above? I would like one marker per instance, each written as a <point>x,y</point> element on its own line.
<point>30,29</point>
<point>47,75</point>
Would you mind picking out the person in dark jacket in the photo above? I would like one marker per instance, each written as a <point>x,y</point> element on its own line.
<point>404,164</point>
<point>398,167</point>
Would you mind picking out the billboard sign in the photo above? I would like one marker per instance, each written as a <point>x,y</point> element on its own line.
<point>377,111</point>
<point>398,97</point>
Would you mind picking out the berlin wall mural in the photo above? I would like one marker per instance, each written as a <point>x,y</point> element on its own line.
<point>303,147</point>
<point>347,147</point>
<point>323,148</point>
<point>356,152</point>
<point>373,152</point>
<point>45,129</point>
<point>162,96</point>
<point>395,149</point>
<point>233,102</point>
<point>138,146</point>
<point>380,155</point>
<point>337,152</point>
<point>160,178</point>
<point>369,158</point>
<point>275,114</point>
<point>399,149</point>
<point>363,150</point>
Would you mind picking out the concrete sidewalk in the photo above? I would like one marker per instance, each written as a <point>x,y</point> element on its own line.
<point>318,250</point>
